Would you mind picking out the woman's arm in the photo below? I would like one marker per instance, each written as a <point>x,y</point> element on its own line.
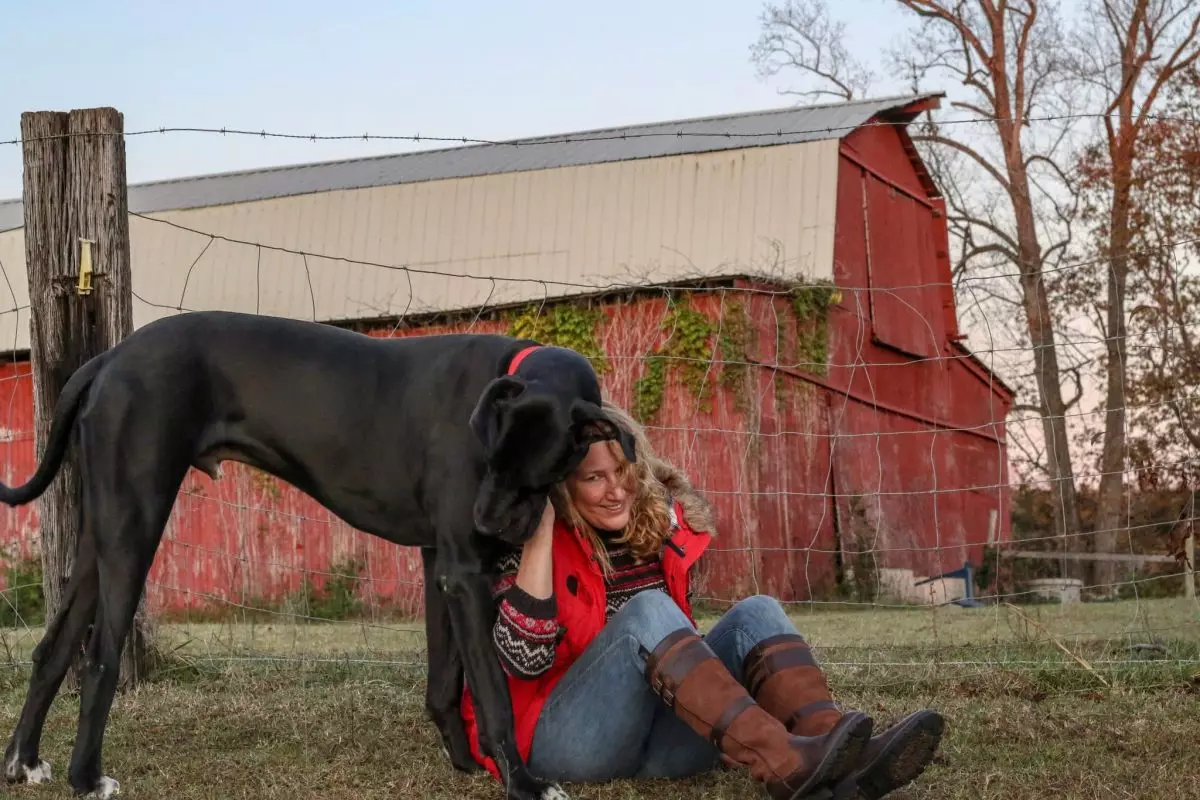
<point>536,573</point>
<point>526,628</point>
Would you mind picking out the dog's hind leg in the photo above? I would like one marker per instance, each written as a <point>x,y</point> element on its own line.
<point>444,671</point>
<point>51,660</point>
<point>129,499</point>
<point>122,575</point>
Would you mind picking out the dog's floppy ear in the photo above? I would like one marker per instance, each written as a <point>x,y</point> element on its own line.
<point>487,417</point>
<point>585,414</point>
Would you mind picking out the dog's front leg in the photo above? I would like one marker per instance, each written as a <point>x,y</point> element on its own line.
<point>444,672</point>
<point>469,600</point>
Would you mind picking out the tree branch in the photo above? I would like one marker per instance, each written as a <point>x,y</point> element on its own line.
<point>968,151</point>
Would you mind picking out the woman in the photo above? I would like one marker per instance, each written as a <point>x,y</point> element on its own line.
<point>610,679</point>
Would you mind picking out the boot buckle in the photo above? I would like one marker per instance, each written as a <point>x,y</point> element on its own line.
<point>663,690</point>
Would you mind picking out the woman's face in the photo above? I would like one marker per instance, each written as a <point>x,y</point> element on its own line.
<point>601,488</point>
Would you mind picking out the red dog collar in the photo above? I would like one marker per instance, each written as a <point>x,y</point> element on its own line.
<point>518,358</point>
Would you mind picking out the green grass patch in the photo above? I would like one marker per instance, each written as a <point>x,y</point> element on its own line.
<point>1077,701</point>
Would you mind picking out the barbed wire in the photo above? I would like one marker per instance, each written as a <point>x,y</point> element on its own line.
<point>620,133</point>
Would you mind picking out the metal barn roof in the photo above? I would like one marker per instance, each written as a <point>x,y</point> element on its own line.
<point>698,135</point>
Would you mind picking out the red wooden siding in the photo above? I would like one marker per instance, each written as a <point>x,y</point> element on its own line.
<point>901,443</point>
<point>249,539</point>
<point>919,452</point>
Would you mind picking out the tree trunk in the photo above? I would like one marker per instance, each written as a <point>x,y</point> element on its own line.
<point>1053,411</point>
<point>1110,517</point>
<point>1040,325</point>
<point>74,189</point>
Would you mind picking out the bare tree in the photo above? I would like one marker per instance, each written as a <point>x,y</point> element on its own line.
<point>1128,52</point>
<point>799,34</point>
<point>1010,204</point>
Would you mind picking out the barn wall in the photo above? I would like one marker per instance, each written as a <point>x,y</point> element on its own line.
<point>920,460</point>
<point>901,442</point>
<point>761,454</point>
<point>551,232</point>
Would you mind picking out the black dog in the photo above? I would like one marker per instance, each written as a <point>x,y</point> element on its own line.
<point>423,441</point>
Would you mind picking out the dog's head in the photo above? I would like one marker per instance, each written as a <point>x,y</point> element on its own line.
<point>531,440</point>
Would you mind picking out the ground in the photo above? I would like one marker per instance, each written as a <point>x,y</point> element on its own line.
<point>1087,701</point>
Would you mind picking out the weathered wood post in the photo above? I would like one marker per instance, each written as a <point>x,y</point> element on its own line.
<point>1189,569</point>
<point>81,300</point>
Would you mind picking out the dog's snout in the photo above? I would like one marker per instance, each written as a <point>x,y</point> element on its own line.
<point>489,527</point>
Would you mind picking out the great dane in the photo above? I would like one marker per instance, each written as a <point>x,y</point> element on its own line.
<point>422,441</point>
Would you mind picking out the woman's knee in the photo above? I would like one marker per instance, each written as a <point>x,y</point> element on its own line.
<point>758,616</point>
<point>759,607</point>
<point>650,616</point>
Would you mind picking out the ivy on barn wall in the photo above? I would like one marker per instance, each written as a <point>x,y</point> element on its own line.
<point>810,309</point>
<point>693,342</point>
<point>690,350</point>
<point>736,341</point>
<point>564,325</point>
<point>809,305</point>
<point>686,352</point>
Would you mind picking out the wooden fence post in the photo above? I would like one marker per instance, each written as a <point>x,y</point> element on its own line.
<point>1189,570</point>
<point>76,219</point>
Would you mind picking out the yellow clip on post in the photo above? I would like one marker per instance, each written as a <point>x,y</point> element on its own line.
<point>85,266</point>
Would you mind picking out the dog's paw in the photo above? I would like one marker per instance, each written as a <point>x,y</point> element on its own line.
<point>19,773</point>
<point>554,792</point>
<point>107,788</point>
<point>464,763</point>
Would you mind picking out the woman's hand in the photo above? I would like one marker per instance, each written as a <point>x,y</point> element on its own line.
<point>536,574</point>
<point>544,535</point>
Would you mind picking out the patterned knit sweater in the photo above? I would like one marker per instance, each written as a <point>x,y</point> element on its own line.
<point>526,630</point>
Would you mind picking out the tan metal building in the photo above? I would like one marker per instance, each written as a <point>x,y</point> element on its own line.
<point>456,228</point>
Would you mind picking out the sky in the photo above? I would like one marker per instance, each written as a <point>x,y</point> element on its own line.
<point>468,68</point>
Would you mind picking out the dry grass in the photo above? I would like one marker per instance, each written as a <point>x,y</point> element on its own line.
<point>311,719</point>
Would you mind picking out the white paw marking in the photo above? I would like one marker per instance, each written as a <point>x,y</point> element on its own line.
<point>554,792</point>
<point>39,774</point>
<point>107,788</point>
<point>445,752</point>
<point>17,772</point>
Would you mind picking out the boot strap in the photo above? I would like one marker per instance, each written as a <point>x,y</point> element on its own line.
<point>731,712</point>
<point>776,661</point>
<point>756,652</point>
<point>812,708</point>
<point>672,660</point>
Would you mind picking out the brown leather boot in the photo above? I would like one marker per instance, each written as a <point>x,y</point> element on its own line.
<point>783,677</point>
<point>786,681</point>
<point>894,758</point>
<point>693,682</point>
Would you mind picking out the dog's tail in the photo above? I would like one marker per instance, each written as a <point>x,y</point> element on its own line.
<point>60,434</point>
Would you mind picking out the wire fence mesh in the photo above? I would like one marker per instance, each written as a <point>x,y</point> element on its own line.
<point>816,389</point>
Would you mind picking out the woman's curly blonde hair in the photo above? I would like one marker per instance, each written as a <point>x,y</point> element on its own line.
<point>653,478</point>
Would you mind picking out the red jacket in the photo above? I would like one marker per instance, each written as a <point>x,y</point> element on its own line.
<point>580,592</point>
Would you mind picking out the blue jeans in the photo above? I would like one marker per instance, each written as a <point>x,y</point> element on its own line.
<point>602,722</point>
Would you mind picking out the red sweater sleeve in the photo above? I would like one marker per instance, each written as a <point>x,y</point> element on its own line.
<point>526,629</point>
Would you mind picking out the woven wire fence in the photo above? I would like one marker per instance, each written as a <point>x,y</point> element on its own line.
<point>854,476</point>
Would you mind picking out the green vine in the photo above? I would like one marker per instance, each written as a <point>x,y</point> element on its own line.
<point>688,351</point>
<point>810,309</point>
<point>564,325</point>
<point>809,305</point>
<point>648,390</point>
<point>735,344</point>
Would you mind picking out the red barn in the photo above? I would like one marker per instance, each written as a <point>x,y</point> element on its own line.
<point>770,292</point>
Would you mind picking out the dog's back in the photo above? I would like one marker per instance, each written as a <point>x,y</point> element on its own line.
<point>319,406</point>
